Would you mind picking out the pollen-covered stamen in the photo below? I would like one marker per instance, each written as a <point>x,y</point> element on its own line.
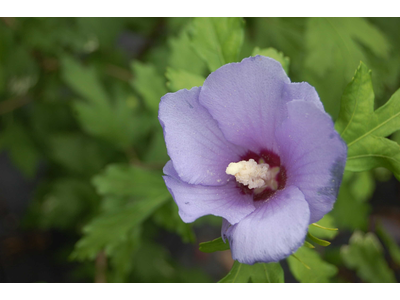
<point>253,175</point>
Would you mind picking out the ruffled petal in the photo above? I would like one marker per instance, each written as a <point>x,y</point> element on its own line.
<point>302,91</point>
<point>195,201</point>
<point>246,100</point>
<point>194,142</point>
<point>275,230</point>
<point>313,154</point>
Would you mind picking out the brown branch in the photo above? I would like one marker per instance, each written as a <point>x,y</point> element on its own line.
<point>101,268</point>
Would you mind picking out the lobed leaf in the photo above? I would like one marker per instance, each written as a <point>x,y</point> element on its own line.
<point>217,40</point>
<point>98,116</point>
<point>364,129</point>
<point>110,228</point>
<point>126,180</point>
<point>319,270</point>
<point>183,56</point>
<point>84,81</point>
<point>365,255</point>
<point>148,83</point>
<point>257,273</point>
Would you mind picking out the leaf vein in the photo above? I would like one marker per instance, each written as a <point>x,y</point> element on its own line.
<point>372,130</point>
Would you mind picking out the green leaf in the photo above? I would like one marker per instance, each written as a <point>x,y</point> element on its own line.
<point>365,255</point>
<point>320,270</point>
<point>182,55</point>
<point>108,229</point>
<point>273,53</point>
<point>364,129</point>
<point>114,225</point>
<point>22,150</point>
<point>362,186</point>
<point>103,31</point>
<point>122,256</point>
<point>77,153</point>
<point>98,116</point>
<point>215,245</point>
<point>350,201</point>
<point>334,48</point>
<point>217,40</point>
<point>181,79</point>
<point>127,180</point>
<point>84,81</point>
<point>149,84</point>
<point>257,273</point>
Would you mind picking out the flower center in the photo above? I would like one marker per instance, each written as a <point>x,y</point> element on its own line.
<point>259,174</point>
<point>254,175</point>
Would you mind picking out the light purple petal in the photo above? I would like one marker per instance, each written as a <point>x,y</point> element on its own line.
<point>225,226</point>
<point>195,144</point>
<point>246,100</point>
<point>169,170</point>
<point>313,154</point>
<point>302,91</point>
<point>195,201</point>
<point>275,230</point>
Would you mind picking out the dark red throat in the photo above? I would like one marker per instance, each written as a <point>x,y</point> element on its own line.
<point>273,160</point>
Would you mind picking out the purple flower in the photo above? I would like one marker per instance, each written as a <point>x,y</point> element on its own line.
<point>257,150</point>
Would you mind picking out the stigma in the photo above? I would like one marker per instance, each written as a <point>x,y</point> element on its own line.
<point>254,175</point>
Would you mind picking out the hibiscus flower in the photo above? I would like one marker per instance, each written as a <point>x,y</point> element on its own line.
<point>258,151</point>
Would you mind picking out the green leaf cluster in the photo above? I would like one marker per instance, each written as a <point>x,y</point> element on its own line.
<point>364,254</point>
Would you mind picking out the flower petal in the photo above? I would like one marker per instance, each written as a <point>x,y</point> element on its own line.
<point>195,144</point>
<point>246,100</point>
<point>275,230</point>
<point>302,91</point>
<point>225,226</point>
<point>313,154</point>
<point>195,201</point>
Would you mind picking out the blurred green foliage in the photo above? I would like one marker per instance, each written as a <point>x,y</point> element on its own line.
<point>364,254</point>
<point>79,101</point>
